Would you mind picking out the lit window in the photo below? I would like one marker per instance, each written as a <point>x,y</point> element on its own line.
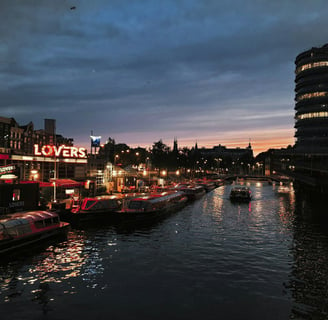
<point>311,115</point>
<point>16,195</point>
<point>312,95</point>
<point>311,65</point>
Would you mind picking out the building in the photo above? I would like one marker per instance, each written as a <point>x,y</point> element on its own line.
<point>28,154</point>
<point>311,116</point>
<point>228,160</point>
<point>311,96</point>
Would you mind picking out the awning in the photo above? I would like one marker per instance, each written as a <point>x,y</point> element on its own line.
<point>66,183</point>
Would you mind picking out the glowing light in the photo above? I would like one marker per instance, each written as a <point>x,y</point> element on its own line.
<point>311,115</point>
<point>311,65</point>
<point>61,151</point>
<point>311,95</point>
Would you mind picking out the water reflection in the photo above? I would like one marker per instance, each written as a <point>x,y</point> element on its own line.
<point>286,209</point>
<point>56,264</point>
<point>61,262</point>
<point>309,276</point>
<point>213,258</point>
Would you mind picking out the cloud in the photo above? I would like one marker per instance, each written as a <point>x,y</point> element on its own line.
<point>145,69</point>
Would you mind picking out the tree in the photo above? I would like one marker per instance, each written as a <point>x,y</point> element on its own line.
<point>159,156</point>
<point>107,151</point>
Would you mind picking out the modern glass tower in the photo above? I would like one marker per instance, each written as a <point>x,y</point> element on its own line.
<point>311,118</point>
<point>311,101</point>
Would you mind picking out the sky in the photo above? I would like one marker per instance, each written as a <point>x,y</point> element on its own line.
<point>206,71</point>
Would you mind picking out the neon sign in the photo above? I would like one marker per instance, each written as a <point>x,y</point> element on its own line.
<point>7,169</point>
<point>60,151</point>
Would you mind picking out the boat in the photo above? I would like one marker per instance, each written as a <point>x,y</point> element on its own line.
<point>20,230</point>
<point>240,194</point>
<point>152,206</point>
<point>193,192</point>
<point>206,184</point>
<point>96,209</point>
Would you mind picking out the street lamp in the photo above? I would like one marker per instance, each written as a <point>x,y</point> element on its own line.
<point>115,159</point>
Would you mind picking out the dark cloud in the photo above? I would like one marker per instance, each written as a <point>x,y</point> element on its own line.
<point>152,68</point>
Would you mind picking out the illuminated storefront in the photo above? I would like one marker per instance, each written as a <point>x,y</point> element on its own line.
<point>49,162</point>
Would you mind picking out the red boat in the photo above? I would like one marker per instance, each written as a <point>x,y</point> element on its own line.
<point>100,204</point>
<point>97,209</point>
<point>23,229</point>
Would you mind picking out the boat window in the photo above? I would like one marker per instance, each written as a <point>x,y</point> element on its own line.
<point>55,220</point>
<point>48,222</point>
<point>88,204</point>
<point>39,224</point>
<point>98,205</point>
<point>23,229</point>
<point>12,231</point>
<point>112,203</point>
<point>16,227</point>
<point>137,204</point>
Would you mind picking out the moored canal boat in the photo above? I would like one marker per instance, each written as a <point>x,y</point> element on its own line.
<point>193,192</point>
<point>208,185</point>
<point>23,229</point>
<point>97,209</point>
<point>152,206</point>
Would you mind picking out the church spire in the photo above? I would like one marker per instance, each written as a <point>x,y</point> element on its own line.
<point>175,144</point>
<point>249,144</point>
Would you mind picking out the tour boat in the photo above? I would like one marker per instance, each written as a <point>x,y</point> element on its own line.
<point>94,209</point>
<point>153,206</point>
<point>193,192</point>
<point>206,184</point>
<point>97,209</point>
<point>99,204</point>
<point>240,193</point>
<point>23,229</point>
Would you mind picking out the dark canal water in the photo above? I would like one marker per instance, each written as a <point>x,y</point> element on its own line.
<point>211,260</point>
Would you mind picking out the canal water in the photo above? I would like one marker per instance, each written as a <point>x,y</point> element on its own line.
<point>212,260</point>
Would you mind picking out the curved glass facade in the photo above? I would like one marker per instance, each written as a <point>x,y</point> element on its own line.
<point>311,96</point>
<point>311,65</point>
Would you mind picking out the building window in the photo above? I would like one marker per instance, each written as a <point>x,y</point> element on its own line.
<point>312,115</point>
<point>311,95</point>
<point>16,195</point>
<point>311,65</point>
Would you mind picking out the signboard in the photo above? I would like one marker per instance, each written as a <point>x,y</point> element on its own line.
<point>95,141</point>
<point>60,151</point>
<point>7,169</point>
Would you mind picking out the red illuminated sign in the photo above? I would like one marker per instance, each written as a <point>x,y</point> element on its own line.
<point>60,151</point>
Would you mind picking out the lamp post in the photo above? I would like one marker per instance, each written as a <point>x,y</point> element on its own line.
<point>54,183</point>
<point>163,174</point>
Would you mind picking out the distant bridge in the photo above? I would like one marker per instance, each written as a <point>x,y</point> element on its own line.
<point>276,178</point>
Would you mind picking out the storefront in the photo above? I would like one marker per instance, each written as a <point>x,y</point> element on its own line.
<point>48,162</point>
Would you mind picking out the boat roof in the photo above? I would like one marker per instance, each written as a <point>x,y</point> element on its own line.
<point>28,216</point>
<point>154,197</point>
